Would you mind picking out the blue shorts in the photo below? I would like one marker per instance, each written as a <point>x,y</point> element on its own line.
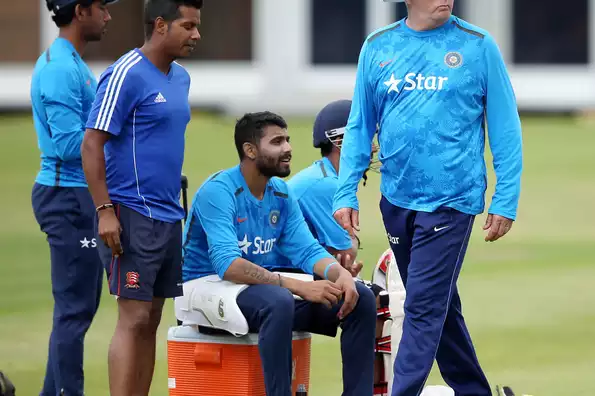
<point>151,263</point>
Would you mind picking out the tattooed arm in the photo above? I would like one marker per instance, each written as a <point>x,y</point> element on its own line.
<point>322,291</point>
<point>214,209</point>
<point>243,271</point>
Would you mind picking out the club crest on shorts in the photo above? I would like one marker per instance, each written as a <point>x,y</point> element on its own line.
<point>132,280</point>
<point>274,218</point>
<point>453,59</point>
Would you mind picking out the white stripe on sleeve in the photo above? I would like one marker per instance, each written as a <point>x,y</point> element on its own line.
<point>111,86</point>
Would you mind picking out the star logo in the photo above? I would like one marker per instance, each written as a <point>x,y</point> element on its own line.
<point>244,244</point>
<point>85,243</point>
<point>392,84</point>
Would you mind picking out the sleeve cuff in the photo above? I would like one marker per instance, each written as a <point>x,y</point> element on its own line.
<point>504,213</point>
<point>222,269</point>
<point>347,202</point>
<point>308,265</point>
<point>342,245</point>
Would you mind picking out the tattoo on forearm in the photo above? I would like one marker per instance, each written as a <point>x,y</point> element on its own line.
<point>261,274</point>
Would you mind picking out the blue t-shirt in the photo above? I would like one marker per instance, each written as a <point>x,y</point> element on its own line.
<point>146,113</point>
<point>431,93</point>
<point>62,92</point>
<point>228,222</point>
<point>314,188</point>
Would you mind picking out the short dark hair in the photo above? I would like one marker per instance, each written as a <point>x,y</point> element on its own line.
<point>250,128</point>
<point>326,148</point>
<point>169,10</point>
<point>65,15</point>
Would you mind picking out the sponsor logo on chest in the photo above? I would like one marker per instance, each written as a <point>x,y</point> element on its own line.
<point>415,81</point>
<point>258,246</point>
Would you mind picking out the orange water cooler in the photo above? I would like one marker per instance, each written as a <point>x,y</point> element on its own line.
<point>224,365</point>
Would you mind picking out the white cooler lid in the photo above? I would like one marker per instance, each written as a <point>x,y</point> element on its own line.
<point>191,334</point>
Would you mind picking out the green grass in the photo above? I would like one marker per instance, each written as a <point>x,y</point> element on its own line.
<point>528,299</point>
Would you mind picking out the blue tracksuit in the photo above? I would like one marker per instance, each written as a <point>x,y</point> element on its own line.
<point>226,223</point>
<point>62,91</point>
<point>432,94</point>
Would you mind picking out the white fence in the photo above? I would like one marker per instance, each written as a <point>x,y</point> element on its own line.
<point>281,78</point>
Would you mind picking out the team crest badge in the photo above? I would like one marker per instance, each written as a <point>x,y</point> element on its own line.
<point>453,59</point>
<point>132,280</point>
<point>274,218</point>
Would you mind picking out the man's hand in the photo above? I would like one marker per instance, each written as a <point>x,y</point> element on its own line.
<point>350,295</point>
<point>109,230</point>
<point>354,267</point>
<point>348,218</point>
<point>320,291</point>
<point>498,226</point>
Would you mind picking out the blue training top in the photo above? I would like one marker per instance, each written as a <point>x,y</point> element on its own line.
<point>62,92</point>
<point>146,113</point>
<point>228,222</point>
<point>431,93</point>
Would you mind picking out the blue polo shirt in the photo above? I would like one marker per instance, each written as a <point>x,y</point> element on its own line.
<point>146,112</point>
<point>62,92</point>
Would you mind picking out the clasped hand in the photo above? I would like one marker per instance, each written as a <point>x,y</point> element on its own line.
<point>331,293</point>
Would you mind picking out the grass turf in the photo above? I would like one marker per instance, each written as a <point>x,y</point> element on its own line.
<point>528,299</point>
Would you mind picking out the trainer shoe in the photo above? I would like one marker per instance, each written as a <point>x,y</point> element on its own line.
<point>437,390</point>
<point>6,387</point>
<point>506,391</point>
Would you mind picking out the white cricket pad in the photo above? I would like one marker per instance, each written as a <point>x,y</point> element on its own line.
<point>212,302</point>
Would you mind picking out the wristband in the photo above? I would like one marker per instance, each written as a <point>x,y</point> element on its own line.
<point>327,268</point>
<point>104,206</point>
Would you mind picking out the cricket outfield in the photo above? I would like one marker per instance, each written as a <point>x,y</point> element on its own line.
<point>528,299</point>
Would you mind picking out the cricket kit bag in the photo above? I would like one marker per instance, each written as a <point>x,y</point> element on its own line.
<point>388,286</point>
<point>389,319</point>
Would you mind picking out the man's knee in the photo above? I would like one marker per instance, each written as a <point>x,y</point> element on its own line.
<point>73,313</point>
<point>281,306</point>
<point>264,302</point>
<point>155,314</point>
<point>420,303</point>
<point>366,304</point>
<point>136,316</point>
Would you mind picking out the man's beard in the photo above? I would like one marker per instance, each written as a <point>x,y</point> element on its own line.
<point>271,167</point>
<point>93,36</point>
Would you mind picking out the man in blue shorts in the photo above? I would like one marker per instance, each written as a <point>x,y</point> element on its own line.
<point>62,92</point>
<point>433,83</point>
<point>132,156</point>
<point>238,217</point>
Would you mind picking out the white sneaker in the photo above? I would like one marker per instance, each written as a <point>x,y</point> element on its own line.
<point>437,390</point>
